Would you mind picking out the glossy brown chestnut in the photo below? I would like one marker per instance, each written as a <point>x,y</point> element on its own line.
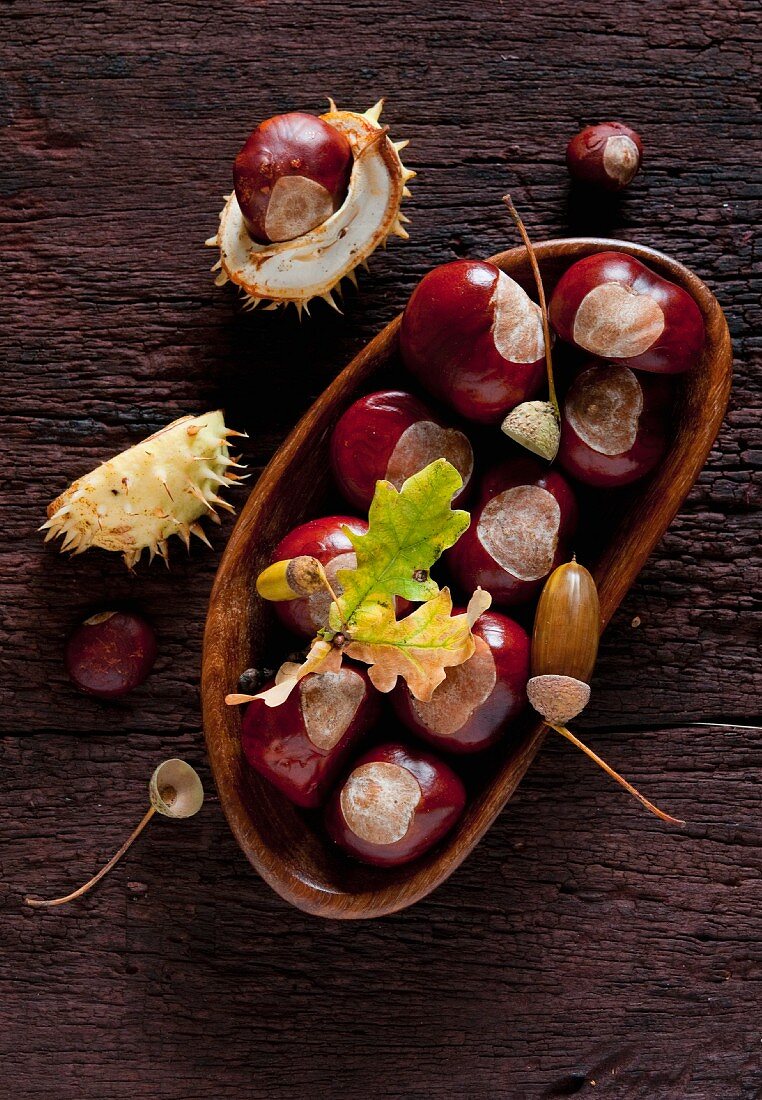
<point>111,653</point>
<point>473,338</point>
<point>392,435</point>
<point>394,805</point>
<point>519,531</point>
<point>474,705</point>
<point>291,176</point>
<point>614,425</point>
<point>324,539</point>
<point>615,307</point>
<point>608,155</point>
<point>301,745</point>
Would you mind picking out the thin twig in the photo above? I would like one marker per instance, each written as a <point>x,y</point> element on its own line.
<point>615,775</point>
<point>39,903</point>
<point>543,305</point>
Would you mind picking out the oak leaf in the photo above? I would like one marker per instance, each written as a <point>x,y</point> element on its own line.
<point>408,530</point>
<point>418,647</point>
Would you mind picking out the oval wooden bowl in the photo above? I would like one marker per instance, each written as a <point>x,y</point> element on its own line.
<point>290,851</point>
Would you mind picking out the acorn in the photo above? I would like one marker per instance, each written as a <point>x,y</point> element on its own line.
<point>567,627</point>
<point>292,579</point>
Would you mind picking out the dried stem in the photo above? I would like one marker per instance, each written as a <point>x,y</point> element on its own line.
<point>333,596</point>
<point>615,775</point>
<point>543,305</point>
<point>39,903</point>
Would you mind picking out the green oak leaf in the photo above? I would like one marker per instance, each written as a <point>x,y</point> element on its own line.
<point>408,530</point>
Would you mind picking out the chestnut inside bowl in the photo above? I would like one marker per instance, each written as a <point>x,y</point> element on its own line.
<point>290,849</point>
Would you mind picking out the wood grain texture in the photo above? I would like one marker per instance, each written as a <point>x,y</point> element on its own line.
<point>579,942</point>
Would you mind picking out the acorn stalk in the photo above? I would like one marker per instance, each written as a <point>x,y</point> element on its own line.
<point>174,791</point>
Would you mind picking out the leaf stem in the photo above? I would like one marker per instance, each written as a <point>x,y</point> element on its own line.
<point>543,305</point>
<point>615,775</point>
<point>39,903</point>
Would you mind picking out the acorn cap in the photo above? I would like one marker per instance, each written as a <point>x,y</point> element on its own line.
<point>175,789</point>
<point>558,698</point>
<point>534,425</point>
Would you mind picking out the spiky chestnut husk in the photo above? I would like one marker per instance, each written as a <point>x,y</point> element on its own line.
<point>140,498</point>
<point>313,265</point>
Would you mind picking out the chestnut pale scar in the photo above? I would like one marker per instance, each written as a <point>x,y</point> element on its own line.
<point>465,688</point>
<point>519,529</point>
<point>424,442</point>
<point>297,205</point>
<point>378,801</point>
<point>604,406</point>
<point>517,325</point>
<point>328,703</point>
<point>614,321</point>
<point>620,158</point>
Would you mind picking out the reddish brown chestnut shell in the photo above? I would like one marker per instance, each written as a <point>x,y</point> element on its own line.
<point>608,155</point>
<point>302,745</point>
<point>413,796</point>
<point>110,654</point>
<point>499,668</point>
<point>447,341</point>
<point>291,175</point>
<point>615,425</point>
<point>527,550</point>
<point>325,540</point>
<point>392,435</point>
<point>616,308</point>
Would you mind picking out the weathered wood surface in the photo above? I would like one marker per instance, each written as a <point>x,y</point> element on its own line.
<point>581,942</point>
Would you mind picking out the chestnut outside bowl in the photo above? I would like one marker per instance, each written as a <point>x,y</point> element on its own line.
<point>289,850</point>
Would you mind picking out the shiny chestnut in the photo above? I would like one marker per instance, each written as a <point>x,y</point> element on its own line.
<point>520,531</point>
<point>392,435</point>
<point>110,653</point>
<point>291,176</point>
<point>394,805</point>
<point>616,308</point>
<point>326,540</point>
<point>476,702</point>
<point>614,425</point>
<point>608,155</point>
<point>473,338</point>
<point>301,745</point>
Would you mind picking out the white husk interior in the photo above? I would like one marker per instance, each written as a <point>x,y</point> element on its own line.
<point>312,266</point>
<point>156,489</point>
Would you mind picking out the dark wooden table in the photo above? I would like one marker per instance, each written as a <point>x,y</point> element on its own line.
<point>584,948</point>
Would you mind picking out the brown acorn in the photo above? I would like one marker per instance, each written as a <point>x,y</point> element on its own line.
<point>567,627</point>
<point>291,579</point>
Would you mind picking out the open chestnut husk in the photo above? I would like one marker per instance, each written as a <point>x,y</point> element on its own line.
<point>265,245</point>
